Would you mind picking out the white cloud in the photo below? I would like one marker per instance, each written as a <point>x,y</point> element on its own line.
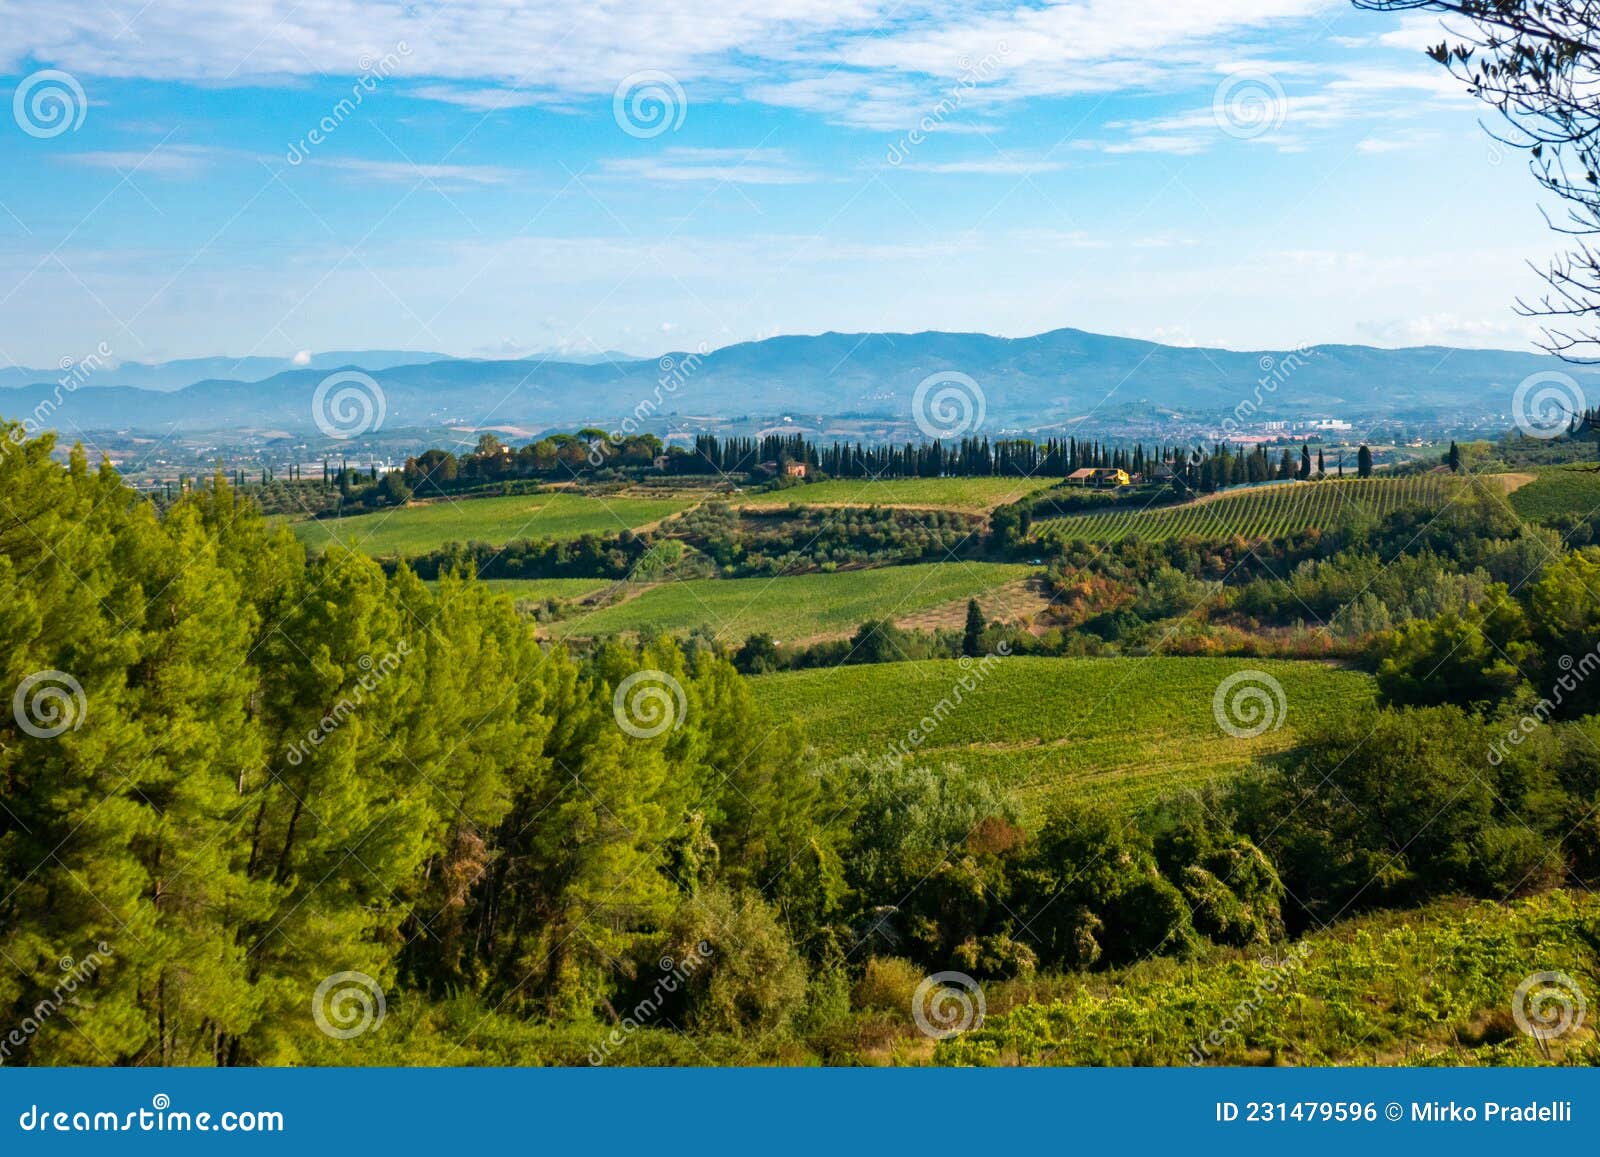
<point>476,99</point>
<point>879,64</point>
<point>1000,166</point>
<point>1449,329</point>
<point>1417,31</point>
<point>404,172</point>
<point>1338,95</point>
<point>732,166</point>
<point>162,161</point>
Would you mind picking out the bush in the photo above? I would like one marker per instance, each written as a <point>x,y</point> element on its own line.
<point>747,979</point>
<point>888,984</point>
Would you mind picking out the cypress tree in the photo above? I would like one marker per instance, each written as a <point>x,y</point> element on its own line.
<point>972,638</point>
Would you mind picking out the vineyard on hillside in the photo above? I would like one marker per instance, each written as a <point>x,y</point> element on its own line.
<point>1263,512</point>
<point>1120,732</point>
<point>1559,490</point>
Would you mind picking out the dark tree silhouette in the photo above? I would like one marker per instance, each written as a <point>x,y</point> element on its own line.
<point>1538,63</point>
<point>972,639</point>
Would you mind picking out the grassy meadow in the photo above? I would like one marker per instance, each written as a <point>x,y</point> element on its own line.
<point>795,608</point>
<point>425,526</point>
<point>1114,730</point>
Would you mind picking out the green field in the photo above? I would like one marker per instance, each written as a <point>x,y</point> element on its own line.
<point>416,529</point>
<point>1559,490</point>
<point>796,607</point>
<point>539,589</point>
<point>969,494</point>
<point>1434,986</point>
<point>1118,730</point>
<point>1262,512</point>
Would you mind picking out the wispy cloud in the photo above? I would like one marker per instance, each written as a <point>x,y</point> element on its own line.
<point>478,99</point>
<point>404,172</point>
<point>162,161</point>
<point>996,166</point>
<point>732,166</point>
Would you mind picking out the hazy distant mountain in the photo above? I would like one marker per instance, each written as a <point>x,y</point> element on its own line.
<point>596,358</point>
<point>175,375</point>
<point>1030,383</point>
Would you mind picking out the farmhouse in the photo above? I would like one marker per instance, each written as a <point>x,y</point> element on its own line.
<point>1102,476</point>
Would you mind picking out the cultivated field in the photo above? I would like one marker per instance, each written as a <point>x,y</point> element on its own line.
<point>553,588</point>
<point>1425,987</point>
<point>1119,730</point>
<point>796,608</point>
<point>422,527</point>
<point>1559,490</point>
<point>1261,512</point>
<point>969,494</point>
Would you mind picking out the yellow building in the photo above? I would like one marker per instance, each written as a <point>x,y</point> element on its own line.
<point>1101,476</point>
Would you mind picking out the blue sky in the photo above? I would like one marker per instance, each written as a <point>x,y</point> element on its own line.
<point>1246,173</point>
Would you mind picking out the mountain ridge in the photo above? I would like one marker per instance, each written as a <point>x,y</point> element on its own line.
<point>1042,379</point>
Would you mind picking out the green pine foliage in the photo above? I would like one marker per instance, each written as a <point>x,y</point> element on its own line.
<point>280,771</point>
